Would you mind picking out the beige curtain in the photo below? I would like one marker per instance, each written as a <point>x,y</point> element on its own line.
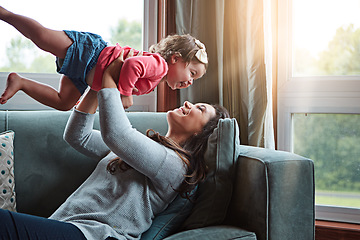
<point>234,32</point>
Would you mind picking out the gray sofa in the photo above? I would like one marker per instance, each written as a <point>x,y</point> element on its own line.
<point>250,192</point>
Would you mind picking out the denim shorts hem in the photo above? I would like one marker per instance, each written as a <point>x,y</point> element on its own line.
<point>80,57</point>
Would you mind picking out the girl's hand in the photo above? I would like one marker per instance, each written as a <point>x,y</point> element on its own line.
<point>127,101</point>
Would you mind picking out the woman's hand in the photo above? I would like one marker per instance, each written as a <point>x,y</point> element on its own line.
<point>89,102</point>
<point>113,70</point>
<point>112,73</point>
<point>127,101</point>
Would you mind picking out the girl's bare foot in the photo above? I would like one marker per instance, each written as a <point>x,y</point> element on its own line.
<point>13,85</point>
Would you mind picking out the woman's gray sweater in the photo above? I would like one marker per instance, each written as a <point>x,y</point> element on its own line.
<point>123,205</point>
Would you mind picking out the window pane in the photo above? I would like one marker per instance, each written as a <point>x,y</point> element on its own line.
<point>116,21</point>
<point>332,141</point>
<point>326,36</point>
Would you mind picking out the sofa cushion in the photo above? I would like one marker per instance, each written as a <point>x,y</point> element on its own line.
<point>170,220</point>
<point>46,167</point>
<point>7,178</point>
<point>215,192</point>
<point>215,233</point>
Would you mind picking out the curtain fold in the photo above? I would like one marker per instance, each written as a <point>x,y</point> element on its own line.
<point>237,78</point>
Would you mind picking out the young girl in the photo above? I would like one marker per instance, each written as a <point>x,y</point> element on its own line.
<point>82,57</point>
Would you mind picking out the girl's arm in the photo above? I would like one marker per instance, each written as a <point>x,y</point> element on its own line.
<point>79,132</point>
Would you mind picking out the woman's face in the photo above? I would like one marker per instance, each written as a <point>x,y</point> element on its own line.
<point>190,118</point>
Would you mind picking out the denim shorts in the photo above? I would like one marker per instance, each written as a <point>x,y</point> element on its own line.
<point>80,57</point>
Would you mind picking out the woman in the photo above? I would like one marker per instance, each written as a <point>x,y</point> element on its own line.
<point>136,177</point>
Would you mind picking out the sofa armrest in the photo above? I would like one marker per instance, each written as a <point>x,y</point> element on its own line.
<point>273,194</point>
<point>215,233</point>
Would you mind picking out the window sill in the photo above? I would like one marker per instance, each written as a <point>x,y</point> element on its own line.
<point>327,230</point>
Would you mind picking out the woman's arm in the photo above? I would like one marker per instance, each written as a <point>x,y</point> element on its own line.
<point>133,147</point>
<point>79,132</point>
<point>89,103</point>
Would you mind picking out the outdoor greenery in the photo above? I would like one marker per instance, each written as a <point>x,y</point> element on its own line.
<point>127,33</point>
<point>332,141</point>
<point>340,58</point>
<point>343,56</point>
<point>25,56</point>
<point>338,201</point>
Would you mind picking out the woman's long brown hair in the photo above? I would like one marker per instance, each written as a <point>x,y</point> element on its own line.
<point>191,152</point>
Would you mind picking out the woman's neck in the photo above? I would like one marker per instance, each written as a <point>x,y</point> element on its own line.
<point>176,140</point>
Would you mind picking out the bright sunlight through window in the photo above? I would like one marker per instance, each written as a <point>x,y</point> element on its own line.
<point>115,20</point>
<point>326,37</point>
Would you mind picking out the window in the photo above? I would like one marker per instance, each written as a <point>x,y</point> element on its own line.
<point>319,95</point>
<point>117,21</point>
<point>326,37</point>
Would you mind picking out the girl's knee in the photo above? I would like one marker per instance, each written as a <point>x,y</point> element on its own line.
<point>67,104</point>
<point>65,107</point>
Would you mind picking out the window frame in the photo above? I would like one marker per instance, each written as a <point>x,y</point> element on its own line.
<point>318,94</point>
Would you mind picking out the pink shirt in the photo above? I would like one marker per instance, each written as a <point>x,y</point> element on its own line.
<point>143,72</point>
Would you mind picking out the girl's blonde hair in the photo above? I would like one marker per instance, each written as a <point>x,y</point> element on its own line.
<point>185,45</point>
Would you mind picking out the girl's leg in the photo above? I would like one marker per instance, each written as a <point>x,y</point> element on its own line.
<point>63,100</point>
<point>53,41</point>
<point>18,226</point>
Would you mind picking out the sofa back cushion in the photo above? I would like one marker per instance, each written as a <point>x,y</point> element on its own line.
<point>47,169</point>
<point>214,194</point>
